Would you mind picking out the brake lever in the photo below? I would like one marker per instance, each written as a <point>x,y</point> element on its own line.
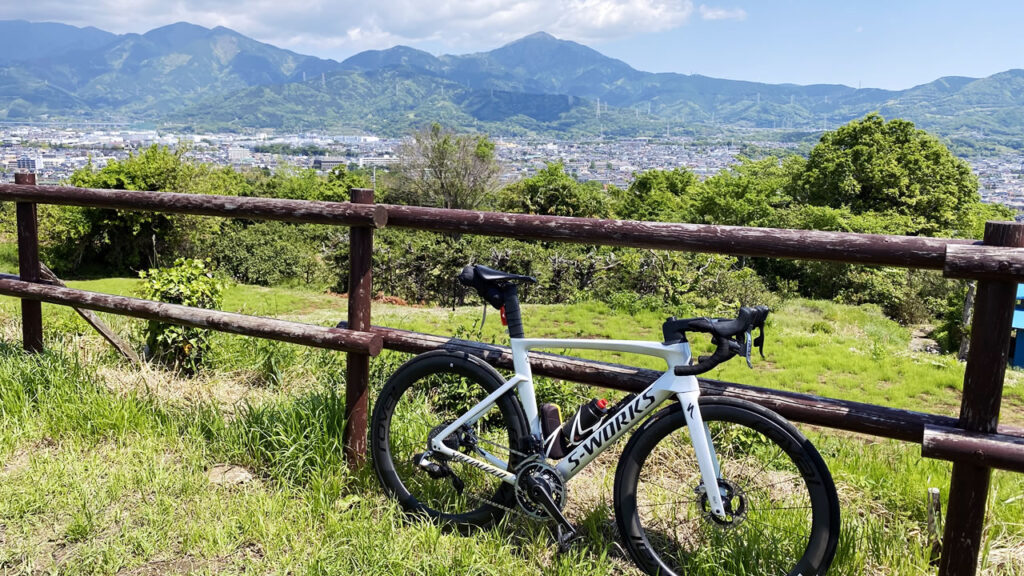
<point>747,349</point>
<point>759,341</point>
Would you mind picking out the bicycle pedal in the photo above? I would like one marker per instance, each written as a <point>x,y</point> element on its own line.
<point>566,538</point>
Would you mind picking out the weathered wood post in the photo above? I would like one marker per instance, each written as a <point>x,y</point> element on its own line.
<point>28,267</point>
<point>357,373</point>
<point>979,408</point>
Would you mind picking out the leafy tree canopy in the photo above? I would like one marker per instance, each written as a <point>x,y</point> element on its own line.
<point>441,168</point>
<point>305,184</point>
<point>552,191</point>
<point>659,195</point>
<point>122,239</point>
<point>748,194</point>
<point>871,165</point>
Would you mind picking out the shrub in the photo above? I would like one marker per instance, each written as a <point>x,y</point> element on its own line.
<point>821,327</point>
<point>189,282</point>
<point>951,331</point>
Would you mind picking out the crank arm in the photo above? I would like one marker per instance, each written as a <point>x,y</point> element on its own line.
<point>565,532</point>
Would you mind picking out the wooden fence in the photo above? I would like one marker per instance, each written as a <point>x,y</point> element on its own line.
<point>974,442</point>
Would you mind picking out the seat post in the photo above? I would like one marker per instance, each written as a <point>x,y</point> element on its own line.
<point>514,318</point>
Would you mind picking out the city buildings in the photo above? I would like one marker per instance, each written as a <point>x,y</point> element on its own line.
<point>55,152</point>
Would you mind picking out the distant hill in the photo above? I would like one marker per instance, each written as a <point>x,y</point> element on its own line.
<point>151,74</point>
<point>389,100</point>
<point>193,76</point>
<point>21,40</point>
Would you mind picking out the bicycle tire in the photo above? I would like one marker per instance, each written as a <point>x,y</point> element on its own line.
<point>423,395</point>
<point>783,503</point>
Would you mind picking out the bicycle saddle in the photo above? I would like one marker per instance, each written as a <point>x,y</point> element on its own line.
<point>476,271</point>
<point>488,282</point>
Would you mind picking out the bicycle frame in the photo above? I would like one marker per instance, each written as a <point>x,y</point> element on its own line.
<point>685,388</point>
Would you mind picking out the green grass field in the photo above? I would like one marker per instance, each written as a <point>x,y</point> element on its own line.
<point>104,467</point>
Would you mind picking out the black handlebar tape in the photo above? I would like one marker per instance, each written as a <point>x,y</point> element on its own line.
<point>510,295</point>
<point>722,353</point>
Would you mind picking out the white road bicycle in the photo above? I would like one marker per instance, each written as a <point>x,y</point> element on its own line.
<point>454,441</point>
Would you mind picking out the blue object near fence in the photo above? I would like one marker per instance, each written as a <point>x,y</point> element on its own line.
<point>1017,355</point>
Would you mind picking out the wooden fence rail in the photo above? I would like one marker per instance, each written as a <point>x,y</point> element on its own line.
<point>304,211</point>
<point>319,336</point>
<point>975,442</point>
<point>905,251</point>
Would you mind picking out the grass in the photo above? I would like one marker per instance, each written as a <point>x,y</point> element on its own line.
<point>103,467</point>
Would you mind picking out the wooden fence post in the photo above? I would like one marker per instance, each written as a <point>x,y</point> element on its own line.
<point>979,408</point>
<point>357,373</point>
<point>28,267</point>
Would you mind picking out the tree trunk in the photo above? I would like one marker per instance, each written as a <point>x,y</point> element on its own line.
<point>965,325</point>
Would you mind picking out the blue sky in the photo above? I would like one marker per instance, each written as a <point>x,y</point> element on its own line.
<point>885,44</point>
<point>893,44</point>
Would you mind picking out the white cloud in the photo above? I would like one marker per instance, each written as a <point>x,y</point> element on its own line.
<point>333,28</point>
<point>713,13</point>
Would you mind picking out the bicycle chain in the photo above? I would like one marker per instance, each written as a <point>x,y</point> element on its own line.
<point>508,509</point>
<point>510,450</point>
<point>525,458</point>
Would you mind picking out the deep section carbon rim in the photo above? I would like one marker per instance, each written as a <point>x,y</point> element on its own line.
<point>782,512</point>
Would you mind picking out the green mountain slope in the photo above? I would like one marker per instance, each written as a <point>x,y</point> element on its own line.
<point>198,77</point>
<point>27,41</point>
<point>165,69</point>
<point>387,101</point>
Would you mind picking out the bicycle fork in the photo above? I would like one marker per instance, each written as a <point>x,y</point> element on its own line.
<point>707,460</point>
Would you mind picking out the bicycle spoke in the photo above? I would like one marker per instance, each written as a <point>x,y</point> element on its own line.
<point>660,504</point>
<point>774,528</point>
<point>763,483</point>
<point>778,508</point>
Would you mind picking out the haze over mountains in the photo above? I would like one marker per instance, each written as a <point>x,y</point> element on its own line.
<point>188,75</point>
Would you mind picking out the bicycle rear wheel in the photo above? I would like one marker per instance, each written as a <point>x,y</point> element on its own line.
<point>420,399</point>
<point>783,512</point>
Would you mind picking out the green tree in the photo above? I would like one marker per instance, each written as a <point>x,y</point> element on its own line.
<point>658,195</point>
<point>871,165</point>
<point>269,253</point>
<point>440,168</point>
<point>305,184</point>
<point>553,192</point>
<point>340,182</point>
<point>124,240</point>
<point>748,194</point>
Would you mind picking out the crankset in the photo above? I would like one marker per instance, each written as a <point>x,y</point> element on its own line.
<point>541,493</point>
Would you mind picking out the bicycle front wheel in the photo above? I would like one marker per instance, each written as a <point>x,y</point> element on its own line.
<point>423,397</point>
<point>782,509</point>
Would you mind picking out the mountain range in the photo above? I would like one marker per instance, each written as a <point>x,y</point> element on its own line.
<point>191,76</point>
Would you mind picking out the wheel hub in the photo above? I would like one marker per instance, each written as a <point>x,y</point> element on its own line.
<point>453,441</point>
<point>734,501</point>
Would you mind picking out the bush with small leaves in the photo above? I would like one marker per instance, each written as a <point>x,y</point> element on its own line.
<point>189,282</point>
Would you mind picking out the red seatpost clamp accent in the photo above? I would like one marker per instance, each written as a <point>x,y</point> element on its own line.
<point>504,321</point>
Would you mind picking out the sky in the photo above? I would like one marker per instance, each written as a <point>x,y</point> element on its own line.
<point>891,44</point>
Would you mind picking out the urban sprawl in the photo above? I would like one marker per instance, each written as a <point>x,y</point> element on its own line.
<point>53,153</point>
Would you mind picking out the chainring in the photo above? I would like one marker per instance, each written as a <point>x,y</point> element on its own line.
<point>547,474</point>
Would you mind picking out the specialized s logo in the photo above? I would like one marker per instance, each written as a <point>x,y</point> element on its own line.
<point>619,421</point>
